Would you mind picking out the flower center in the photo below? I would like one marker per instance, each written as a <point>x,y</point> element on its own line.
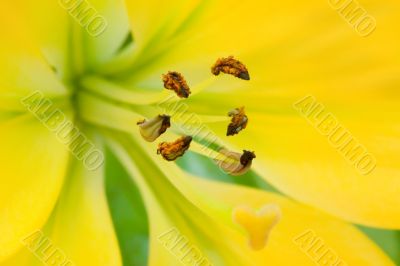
<point>104,103</point>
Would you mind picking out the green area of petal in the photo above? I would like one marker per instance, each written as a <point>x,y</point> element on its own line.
<point>387,240</point>
<point>128,213</point>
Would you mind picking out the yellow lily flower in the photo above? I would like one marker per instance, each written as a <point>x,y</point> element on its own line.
<point>77,76</point>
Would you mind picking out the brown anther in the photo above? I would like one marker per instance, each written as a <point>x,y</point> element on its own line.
<point>166,123</point>
<point>172,150</point>
<point>176,82</point>
<point>238,122</point>
<point>230,66</point>
<point>247,157</point>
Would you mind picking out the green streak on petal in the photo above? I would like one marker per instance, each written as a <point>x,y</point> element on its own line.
<point>387,240</point>
<point>128,213</point>
<point>126,43</point>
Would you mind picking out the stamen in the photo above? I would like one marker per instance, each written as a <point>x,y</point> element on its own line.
<point>230,66</point>
<point>172,150</point>
<point>258,224</point>
<point>176,82</point>
<point>235,163</point>
<point>153,128</point>
<point>238,122</point>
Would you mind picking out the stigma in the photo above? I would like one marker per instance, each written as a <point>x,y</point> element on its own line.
<point>170,151</point>
<point>238,122</point>
<point>153,128</point>
<point>231,66</point>
<point>175,81</point>
<point>257,224</point>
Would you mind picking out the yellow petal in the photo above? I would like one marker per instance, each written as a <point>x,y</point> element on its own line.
<point>33,161</point>
<point>73,35</point>
<point>82,216</point>
<point>217,29</point>
<point>154,20</point>
<point>103,42</point>
<point>191,220</point>
<point>33,165</point>
<point>22,65</point>
<point>152,23</point>
<point>23,257</point>
<point>294,156</point>
<point>46,24</point>
<point>291,52</point>
<point>303,232</point>
<point>80,230</point>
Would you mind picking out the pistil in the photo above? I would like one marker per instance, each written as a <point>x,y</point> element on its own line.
<point>257,224</point>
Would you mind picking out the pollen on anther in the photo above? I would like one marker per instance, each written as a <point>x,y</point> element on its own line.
<point>175,81</point>
<point>238,122</point>
<point>170,151</point>
<point>231,66</point>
